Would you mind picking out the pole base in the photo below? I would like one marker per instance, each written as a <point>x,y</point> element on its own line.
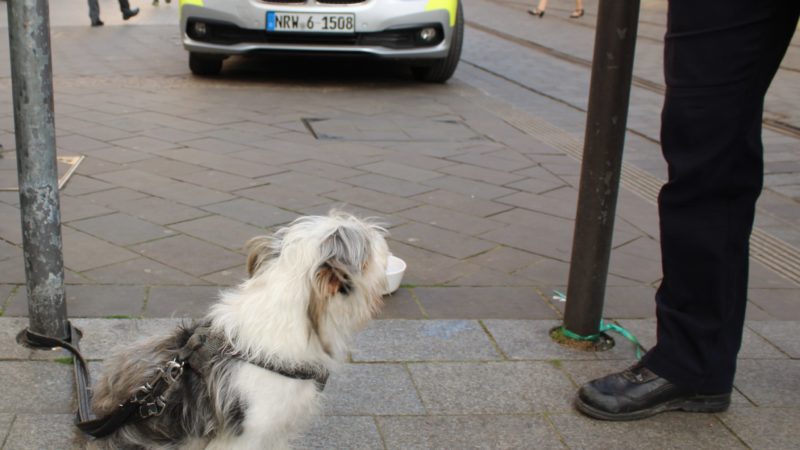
<point>601,343</point>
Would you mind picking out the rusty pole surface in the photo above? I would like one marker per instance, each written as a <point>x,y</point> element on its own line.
<point>612,70</point>
<point>34,128</point>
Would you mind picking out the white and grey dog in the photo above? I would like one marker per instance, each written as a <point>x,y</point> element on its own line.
<point>312,285</point>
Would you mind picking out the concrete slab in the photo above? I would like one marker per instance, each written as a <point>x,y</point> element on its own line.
<point>341,433</point>
<point>191,255</point>
<point>9,328</point>
<point>423,340</point>
<point>764,427</point>
<point>530,340</point>
<point>483,302</point>
<point>39,387</point>
<point>492,387</point>
<point>41,431</point>
<point>769,382</point>
<point>371,389</point>
<point>782,334</point>
<point>495,431</point>
<point>667,431</point>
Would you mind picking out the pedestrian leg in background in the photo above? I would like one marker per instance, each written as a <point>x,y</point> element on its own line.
<point>94,13</point>
<point>127,12</point>
<point>719,59</point>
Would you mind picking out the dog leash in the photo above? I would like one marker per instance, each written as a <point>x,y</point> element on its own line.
<point>150,399</point>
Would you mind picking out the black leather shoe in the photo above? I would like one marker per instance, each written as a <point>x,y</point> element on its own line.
<point>97,23</point>
<point>129,13</point>
<point>637,393</point>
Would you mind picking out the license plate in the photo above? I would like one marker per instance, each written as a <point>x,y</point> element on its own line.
<point>311,22</point>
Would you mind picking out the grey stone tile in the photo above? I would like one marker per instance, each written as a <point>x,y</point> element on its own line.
<point>478,276</point>
<point>228,277</point>
<point>768,382</point>
<point>12,270</point>
<point>469,432</point>
<point>9,251</point>
<point>371,389</point>
<point>310,184</point>
<point>372,200</point>
<point>180,301</point>
<point>451,220</point>
<point>504,161</point>
<point>441,241</point>
<point>252,212</point>
<point>5,425</point>
<point>483,174</point>
<point>470,188</point>
<point>28,432</point>
<point>340,433</point>
<point>190,255</point>
<point>219,230</point>
<point>423,340</point>
<point>666,431</point>
<point>165,167</point>
<point>38,387</point>
<point>764,427</point>
<point>9,328</point>
<point>144,144</point>
<point>84,252</point>
<point>436,269</point>
<point>79,184</point>
<point>483,303</point>
<point>401,171</point>
<point>188,194</point>
<point>530,340</point>
<point>121,229</point>
<point>400,305</point>
<point>323,169</point>
<point>91,301</point>
<point>541,203</point>
<point>779,303</point>
<point>77,208</point>
<point>220,181</point>
<point>782,334</point>
<point>10,224</point>
<point>282,197</point>
<point>117,155</point>
<point>583,371</point>
<point>158,210</point>
<point>528,237</point>
<point>113,197</point>
<point>492,387</point>
<point>141,271</point>
<point>388,185</point>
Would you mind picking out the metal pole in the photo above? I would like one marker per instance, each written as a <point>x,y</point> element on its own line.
<point>612,69</point>
<point>34,127</point>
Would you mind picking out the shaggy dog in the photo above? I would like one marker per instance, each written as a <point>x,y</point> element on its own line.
<point>270,343</point>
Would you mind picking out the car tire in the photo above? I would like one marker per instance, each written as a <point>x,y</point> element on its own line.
<point>204,65</point>
<point>442,69</point>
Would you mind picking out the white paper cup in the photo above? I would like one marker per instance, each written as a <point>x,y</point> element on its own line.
<point>395,268</point>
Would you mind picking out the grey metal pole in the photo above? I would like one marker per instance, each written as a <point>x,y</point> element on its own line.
<point>34,127</point>
<point>612,69</point>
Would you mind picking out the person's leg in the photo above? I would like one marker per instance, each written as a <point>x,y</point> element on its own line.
<point>94,11</point>
<point>127,11</point>
<point>720,57</point>
<point>539,10</point>
<point>578,10</point>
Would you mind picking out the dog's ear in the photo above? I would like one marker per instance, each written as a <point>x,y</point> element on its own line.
<point>259,250</point>
<point>344,254</point>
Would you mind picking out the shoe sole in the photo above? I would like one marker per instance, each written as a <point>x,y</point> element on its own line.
<point>698,403</point>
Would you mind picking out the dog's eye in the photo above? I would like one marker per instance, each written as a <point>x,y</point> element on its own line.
<point>345,287</point>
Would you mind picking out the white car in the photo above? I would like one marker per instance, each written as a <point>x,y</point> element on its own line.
<point>427,34</point>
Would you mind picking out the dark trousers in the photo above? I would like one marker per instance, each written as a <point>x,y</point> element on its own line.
<point>719,59</point>
<point>94,8</point>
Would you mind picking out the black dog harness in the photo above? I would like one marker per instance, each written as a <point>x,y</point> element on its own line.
<point>150,399</point>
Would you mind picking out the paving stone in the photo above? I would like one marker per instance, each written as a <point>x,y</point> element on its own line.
<point>166,167</point>
<point>12,270</point>
<point>117,155</point>
<point>769,383</point>
<point>423,267</point>
<point>505,259</point>
<point>219,230</point>
<point>310,184</point>
<point>558,244</point>
<point>180,301</point>
<point>492,387</point>
<point>84,252</point>
<point>541,203</point>
<point>371,389</point>
<point>482,174</point>
<point>90,301</point>
<point>80,184</point>
<point>324,169</point>
<point>468,432</point>
<point>530,340</point>
<point>190,255</point>
<point>9,349</point>
<point>10,224</point>
<point>764,427</point>
<point>779,303</point>
<point>39,387</point>
<point>423,340</point>
<point>372,200</point>
<point>451,220</point>
<point>282,197</point>
<point>536,185</point>
<point>441,241</point>
<point>252,212</point>
<point>400,171</point>
<point>5,425</point>
<point>483,303</point>
<point>667,431</point>
<point>158,210</point>
<point>505,161</point>
<point>629,302</point>
<point>77,208</point>
<point>782,334</point>
<point>27,432</point>
<point>121,229</point>
<point>340,433</point>
<point>217,180</point>
<point>478,276</point>
<point>400,305</point>
<point>188,194</point>
<point>113,197</point>
<point>388,185</point>
<point>470,188</point>
<point>9,251</point>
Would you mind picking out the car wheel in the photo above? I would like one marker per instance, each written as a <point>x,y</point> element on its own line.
<point>204,65</point>
<point>442,69</point>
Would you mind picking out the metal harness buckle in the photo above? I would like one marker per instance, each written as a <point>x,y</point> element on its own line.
<point>149,406</point>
